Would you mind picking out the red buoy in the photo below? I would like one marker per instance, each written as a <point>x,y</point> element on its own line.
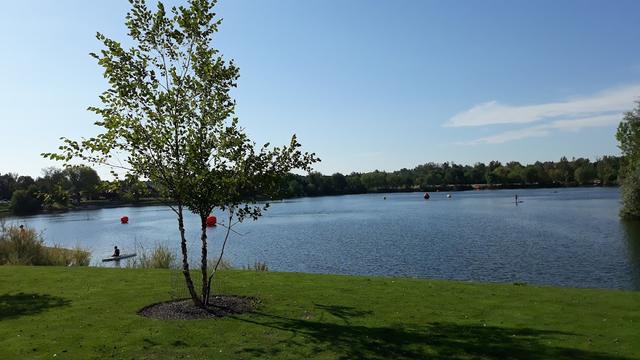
<point>211,221</point>
<point>124,220</point>
<point>426,196</point>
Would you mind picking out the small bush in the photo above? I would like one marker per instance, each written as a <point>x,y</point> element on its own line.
<point>80,256</point>
<point>26,247</point>
<point>60,256</point>
<point>20,246</point>
<point>160,257</point>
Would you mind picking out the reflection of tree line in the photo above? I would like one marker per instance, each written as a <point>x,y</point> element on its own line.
<point>632,232</point>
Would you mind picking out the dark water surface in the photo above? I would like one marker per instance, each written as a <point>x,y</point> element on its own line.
<point>566,237</point>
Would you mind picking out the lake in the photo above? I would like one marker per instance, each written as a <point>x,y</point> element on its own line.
<point>566,237</point>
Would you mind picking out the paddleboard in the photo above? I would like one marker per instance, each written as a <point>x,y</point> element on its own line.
<point>116,258</point>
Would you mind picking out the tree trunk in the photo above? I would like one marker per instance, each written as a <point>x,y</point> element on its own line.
<point>185,261</point>
<point>224,244</point>
<point>203,264</point>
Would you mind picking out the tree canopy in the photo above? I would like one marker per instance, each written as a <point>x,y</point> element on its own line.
<point>628,136</point>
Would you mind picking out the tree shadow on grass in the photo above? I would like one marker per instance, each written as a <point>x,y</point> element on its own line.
<point>434,340</point>
<point>345,313</point>
<point>16,305</point>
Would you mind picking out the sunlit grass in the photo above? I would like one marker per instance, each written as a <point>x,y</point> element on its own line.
<point>86,313</point>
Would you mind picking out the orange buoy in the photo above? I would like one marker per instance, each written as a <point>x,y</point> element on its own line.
<point>426,196</point>
<point>211,221</point>
<point>124,220</point>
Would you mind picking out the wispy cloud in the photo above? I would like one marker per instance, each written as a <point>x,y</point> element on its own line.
<point>546,129</point>
<point>609,101</point>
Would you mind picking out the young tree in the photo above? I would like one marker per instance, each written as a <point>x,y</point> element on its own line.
<point>628,136</point>
<point>169,111</point>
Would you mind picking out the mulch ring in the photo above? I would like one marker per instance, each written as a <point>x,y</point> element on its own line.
<point>219,306</point>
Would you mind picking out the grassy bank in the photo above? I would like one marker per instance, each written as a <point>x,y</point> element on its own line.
<point>91,313</point>
<point>26,247</point>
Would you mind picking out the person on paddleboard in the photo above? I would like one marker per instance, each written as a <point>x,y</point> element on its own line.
<point>116,251</point>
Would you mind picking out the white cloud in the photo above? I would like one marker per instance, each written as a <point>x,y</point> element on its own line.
<point>509,136</point>
<point>595,121</point>
<point>612,100</point>
<point>545,129</point>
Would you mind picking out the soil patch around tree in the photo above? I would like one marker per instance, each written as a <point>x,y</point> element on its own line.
<point>219,306</point>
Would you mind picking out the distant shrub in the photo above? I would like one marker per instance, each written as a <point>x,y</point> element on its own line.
<point>23,202</point>
<point>26,247</point>
<point>257,266</point>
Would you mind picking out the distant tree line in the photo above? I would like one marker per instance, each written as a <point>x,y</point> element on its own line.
<point>451,176</point>
<point>75,185</point>
<point>59,189</point>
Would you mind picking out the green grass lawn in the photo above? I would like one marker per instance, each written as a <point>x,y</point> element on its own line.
<point>85,313</point>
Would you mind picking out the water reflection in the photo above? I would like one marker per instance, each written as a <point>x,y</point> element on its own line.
<point>632,237</point>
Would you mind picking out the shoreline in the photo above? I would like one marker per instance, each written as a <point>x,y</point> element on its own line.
<point>108,204</point>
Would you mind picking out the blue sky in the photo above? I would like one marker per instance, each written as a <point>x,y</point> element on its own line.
<point>366,84</point>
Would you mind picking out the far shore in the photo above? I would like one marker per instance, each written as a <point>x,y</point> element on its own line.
<point>109,204</point>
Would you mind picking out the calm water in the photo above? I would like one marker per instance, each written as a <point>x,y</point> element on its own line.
<point>567,237</point>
